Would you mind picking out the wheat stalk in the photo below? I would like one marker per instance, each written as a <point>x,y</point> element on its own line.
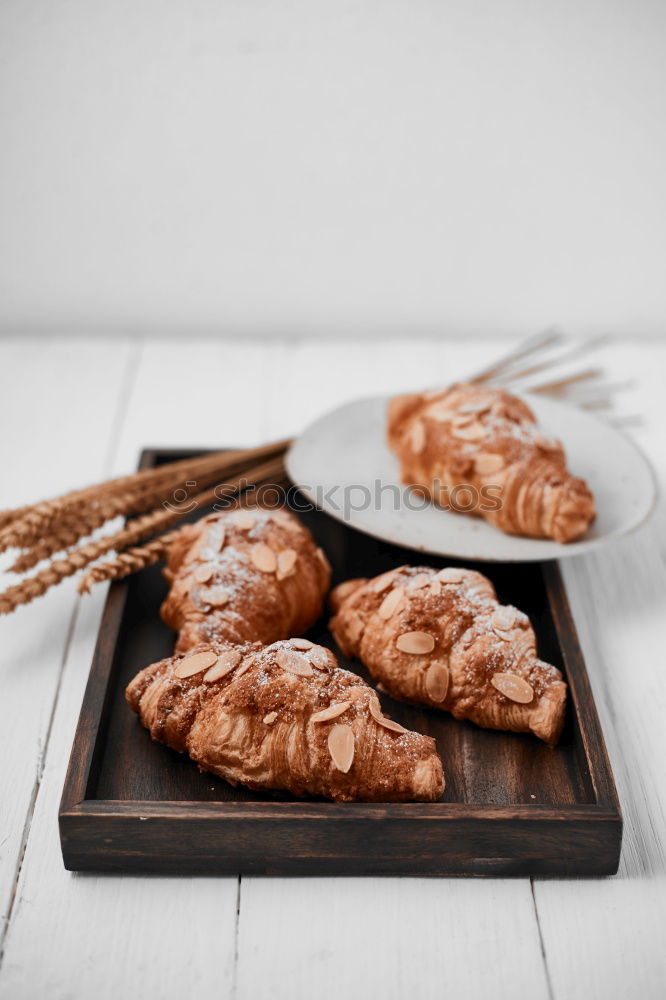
<point>135,530</point>
<point>29,526</point>
<point>130,561</point>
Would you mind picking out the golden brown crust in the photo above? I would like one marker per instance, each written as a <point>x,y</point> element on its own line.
<point>441,638</point>
<point>260,723</point>
<point>244,576</point>
<point>484,438</point>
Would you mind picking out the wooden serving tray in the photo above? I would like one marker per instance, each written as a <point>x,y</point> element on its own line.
<point>512,806</point>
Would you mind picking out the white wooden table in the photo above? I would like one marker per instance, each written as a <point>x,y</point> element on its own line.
<point>73,411</point>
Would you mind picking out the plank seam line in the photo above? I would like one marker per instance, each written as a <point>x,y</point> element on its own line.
<point>234,975</point>
<point>41,764</point>
<point>542,943</point>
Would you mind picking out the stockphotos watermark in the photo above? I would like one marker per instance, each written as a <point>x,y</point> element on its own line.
<point>345,500</point>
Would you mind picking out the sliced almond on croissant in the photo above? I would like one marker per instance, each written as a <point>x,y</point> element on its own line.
<point>264,558</point>
<point>332,712</point>
<point>415,642</point>
<point>293,662</point>
<point>302,644</point>
<point>437,681</point>
<point>513,687</point>
<point>341,747</point>
<point>486,463</point>
<point>474,432</point>
<point>286,562</point>
<point>381,720</point>
<point>244,520</point>
<point>225,664</point>
<point>391,603</point>
<point>418,437</point>
<point>195,663</point>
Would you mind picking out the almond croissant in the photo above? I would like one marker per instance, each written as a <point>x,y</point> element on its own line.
<point>244,576</point>
<point>442,639</point>
<point>487,439</point>
<point>284,716</point>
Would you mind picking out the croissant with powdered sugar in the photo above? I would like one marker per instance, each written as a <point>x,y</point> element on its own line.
<point>244,576</point>
<point>284,716</point>
<point>474,436</point>
<point>441,638</point>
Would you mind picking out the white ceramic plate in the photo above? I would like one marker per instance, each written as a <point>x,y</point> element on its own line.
<point>342,458</point>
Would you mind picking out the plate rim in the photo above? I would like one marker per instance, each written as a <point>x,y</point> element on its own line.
<point>566,551</point>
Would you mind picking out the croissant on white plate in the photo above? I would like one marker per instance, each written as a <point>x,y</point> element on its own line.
<point>486,443</point>
<point>441,638</point>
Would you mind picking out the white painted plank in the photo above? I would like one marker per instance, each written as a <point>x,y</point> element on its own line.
<point>115,935</point>
<point>605,937</point>
<point>108,936</point>
<point>388,938</point>
<point>58,404</point>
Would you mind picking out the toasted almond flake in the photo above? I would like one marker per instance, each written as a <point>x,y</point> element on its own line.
<point>504,618</point>
<point>244,520</point>
<point>436,588</point>
<point>472,433</point>
<point>225,664</point>
<point>548,444</point>
<point>381,720</point>
<point>462,419</point>
<point>202,574</point>
<point>195,663</point>
<point>301,643</point>
<point>513,687</point>
<point>215,537</point>
<point>355,627</point>
<point>321,555</point>
<point>486,463</point>
<point>418,437</point>
<point>320,658</point>
<point>270,718</point>
<point>416,643</point>
<point>332,712</point>
<point>246,666</point>
<point>286,563</point>
<point>341,747</point>
<point>419,581</point>
<point>437,681</point>
<point>441,413</point>
<point>451,575</point>
<point>480,406</point>
<point>383,583</point>
<point>391,603</point>
<point>293,662</point>
<point>217,597</point>
<point>264,558</point>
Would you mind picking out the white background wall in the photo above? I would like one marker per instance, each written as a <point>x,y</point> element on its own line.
<point>353,166</point>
